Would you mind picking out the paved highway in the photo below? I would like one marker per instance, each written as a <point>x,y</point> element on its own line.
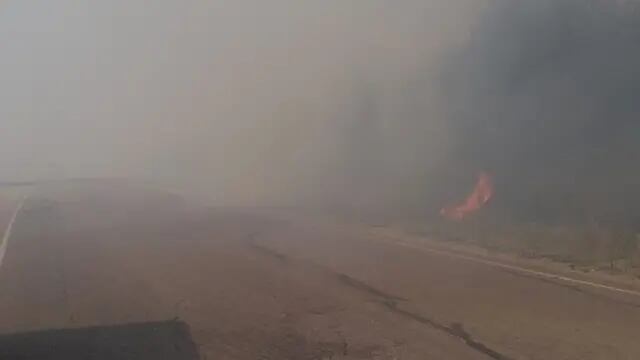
<point>138,268</point>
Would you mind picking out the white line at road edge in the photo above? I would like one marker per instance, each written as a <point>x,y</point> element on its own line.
<point>514,268</point>
<point>4,243</point>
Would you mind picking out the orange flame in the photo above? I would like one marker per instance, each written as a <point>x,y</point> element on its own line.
<point>481,195</point>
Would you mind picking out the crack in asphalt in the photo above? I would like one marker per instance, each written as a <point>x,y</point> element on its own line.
<point>390,302</point>
<point>456,330</point>
<point>269,252</point>
<point>364,287</point>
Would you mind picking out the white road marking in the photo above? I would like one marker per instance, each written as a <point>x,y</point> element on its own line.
<point>513,268</point>
<point>4,243</point>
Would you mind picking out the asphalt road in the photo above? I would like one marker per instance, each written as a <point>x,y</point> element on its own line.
<point>121,272</point>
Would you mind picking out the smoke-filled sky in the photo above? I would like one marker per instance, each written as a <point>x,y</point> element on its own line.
<point>362,102</point>
<point>545,96</point>
<point>234,98</point>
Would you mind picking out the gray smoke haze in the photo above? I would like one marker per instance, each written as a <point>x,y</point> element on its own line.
<point>360,103</point>
<point>546,97</point>
<point>242,101</point>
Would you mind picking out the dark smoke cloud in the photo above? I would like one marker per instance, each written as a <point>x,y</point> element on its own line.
<point>546,96</point>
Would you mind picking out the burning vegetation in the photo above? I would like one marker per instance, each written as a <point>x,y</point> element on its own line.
<point>545,98</point>
<point>481,194</point>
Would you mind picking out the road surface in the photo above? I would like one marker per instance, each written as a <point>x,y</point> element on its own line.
<point>119,272</point>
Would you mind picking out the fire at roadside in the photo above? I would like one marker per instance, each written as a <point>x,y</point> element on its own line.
<point>544,98</point>
<point>585,248</point>
<point>480,196</point>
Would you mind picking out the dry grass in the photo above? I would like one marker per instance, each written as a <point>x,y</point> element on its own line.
<point>581,247</point>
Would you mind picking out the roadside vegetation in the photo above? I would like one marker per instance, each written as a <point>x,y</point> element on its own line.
<point>582,247</point>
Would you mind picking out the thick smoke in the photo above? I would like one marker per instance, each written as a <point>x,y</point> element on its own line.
<point>375,105</point>
<point>280,101</point>
<point>546,98</point>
